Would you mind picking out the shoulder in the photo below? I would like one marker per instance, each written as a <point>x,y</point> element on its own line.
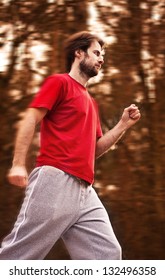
<point>56,81</point>
<point>58,78</point>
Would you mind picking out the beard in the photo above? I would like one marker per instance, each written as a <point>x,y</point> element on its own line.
<point>87,69</point>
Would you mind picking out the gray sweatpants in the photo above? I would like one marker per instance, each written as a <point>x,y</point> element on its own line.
<point>58,205</point>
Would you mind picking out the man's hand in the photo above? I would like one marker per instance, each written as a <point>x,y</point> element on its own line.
<point>18,176</point>
<point>130,115</point>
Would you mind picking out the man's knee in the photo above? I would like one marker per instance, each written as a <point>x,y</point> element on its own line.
<point>114,251</point>
<point>118,252</point>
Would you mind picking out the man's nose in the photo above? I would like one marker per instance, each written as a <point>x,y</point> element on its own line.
<point>101,59</point>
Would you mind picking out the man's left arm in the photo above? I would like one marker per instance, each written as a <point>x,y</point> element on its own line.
<point>129,117</point>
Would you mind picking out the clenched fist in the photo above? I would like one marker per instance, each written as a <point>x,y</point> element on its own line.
<point>130,115</point>
<point>18,176</point>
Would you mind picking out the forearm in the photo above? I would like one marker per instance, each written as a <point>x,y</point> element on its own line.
<point>23,140</point>
<point>25,134</point>
<point>109,139</point>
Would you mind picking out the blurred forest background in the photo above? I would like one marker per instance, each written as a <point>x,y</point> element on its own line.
<point>130,179</point>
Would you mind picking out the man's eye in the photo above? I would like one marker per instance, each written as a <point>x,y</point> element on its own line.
<point>97,53</point>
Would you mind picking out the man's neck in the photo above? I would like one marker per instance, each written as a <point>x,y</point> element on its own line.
<point>76,75</point>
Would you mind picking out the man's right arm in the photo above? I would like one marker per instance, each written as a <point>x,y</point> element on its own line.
<point>18,174</point>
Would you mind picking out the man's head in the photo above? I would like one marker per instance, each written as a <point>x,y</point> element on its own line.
<point>83,43</point>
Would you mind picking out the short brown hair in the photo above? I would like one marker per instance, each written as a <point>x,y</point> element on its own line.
<point>80,40</point>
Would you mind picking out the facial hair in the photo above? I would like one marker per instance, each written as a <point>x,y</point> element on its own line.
<point>87,69</point>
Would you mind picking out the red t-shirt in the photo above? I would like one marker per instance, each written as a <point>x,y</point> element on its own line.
<point>70,128</point>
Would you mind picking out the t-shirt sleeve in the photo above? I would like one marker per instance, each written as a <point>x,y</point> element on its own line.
<point>49,95</point>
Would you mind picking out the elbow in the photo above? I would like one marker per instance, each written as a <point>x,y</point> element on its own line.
<point>99,150</point>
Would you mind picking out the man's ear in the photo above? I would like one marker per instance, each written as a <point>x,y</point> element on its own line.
<point>78,53</point>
